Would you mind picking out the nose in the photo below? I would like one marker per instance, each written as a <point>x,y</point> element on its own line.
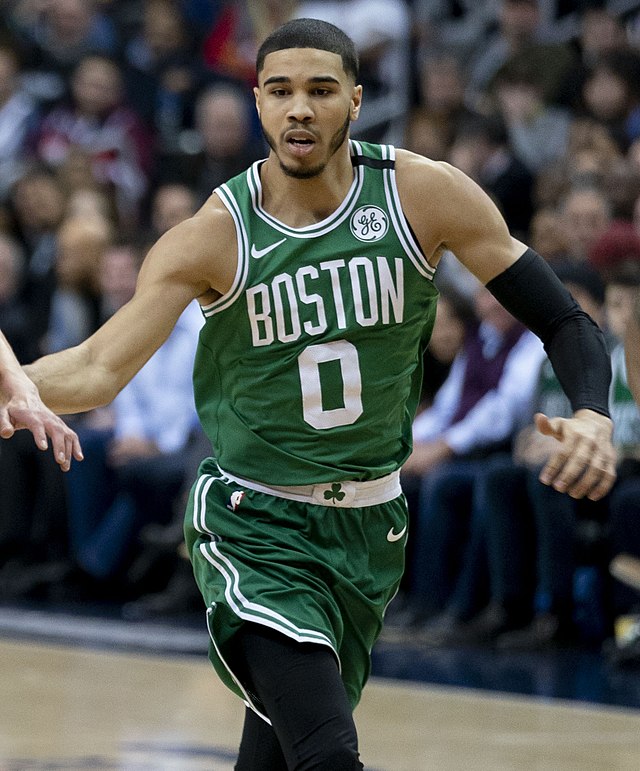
<point>300,109</point>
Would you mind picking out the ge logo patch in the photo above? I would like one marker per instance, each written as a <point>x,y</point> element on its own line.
<point>369,223</point>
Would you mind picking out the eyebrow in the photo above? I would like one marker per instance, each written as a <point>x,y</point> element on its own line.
<point>315,79</point>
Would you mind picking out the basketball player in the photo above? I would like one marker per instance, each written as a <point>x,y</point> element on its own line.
<point>314,272</point>
<point>21,407</point>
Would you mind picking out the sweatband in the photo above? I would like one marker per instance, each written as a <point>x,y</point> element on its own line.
<point>531,291</point>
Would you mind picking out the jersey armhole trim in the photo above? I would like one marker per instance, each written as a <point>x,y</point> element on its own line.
<point>400,222</point>
<point>222,303</point>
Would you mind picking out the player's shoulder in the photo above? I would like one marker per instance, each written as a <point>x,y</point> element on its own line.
<point>433,194</point>
<point>212,215</point>
<point>414,171</point>
<point>200,248</point>
<point>209,230</point>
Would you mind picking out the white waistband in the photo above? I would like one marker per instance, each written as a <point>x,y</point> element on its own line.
<point>336,494</point>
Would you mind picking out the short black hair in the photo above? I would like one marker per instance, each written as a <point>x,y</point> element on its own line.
<point>311,33</point>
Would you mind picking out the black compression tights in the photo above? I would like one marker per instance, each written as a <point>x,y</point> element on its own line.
<point>300,687</point>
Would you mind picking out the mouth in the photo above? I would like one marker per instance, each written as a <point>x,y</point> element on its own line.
<point>300,143</point>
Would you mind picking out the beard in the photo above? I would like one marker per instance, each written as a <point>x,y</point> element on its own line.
<point>298,173</point>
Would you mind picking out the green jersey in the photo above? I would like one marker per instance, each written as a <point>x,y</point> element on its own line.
<point>309,368</point>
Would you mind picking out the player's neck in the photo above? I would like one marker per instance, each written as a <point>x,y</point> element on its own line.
<point>301,202</point>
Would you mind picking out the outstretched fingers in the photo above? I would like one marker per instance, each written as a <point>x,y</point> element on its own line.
<point>45,425</point>
<point>64,440</point>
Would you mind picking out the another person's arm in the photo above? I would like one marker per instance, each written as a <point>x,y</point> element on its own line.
<point>460,217</point>
<point>22,408</point>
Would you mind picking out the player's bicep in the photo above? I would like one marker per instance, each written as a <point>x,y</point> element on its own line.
<point>475,231</point>
<point>168,280</point>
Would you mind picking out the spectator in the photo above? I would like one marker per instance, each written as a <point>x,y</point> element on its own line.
<point>55,36</point>
<point>136,469</point>
<point>454,317</point>
<point>546,234</point>
<point>98,122</point>
<point>482,151</point>
<point>17,114</point>
<point>118,272</point>
<point>33,542</point>
<point>442,85</point>
<point>171,204</point>
<point>461,28</point>
<point>538,134</point>
<point>164,544</point>
<point>15,319</point>
<point>585,214</point>
<point>75,303</point>
<point>531,536</point>
<point>165,71</point>
<point>611,95</point>
<point>475,413</point>
<point>600,33</point>
<point>520,36</point>
<point>624,307</point>
<point>91,202</point>
<point>616,248</point>
<point>558,524</point>
<point>231,45</point>
<point>38,204</point>
<point>621,185</point>
<point>590,152</point>
<point>224,127</point>
<point>426,135</point>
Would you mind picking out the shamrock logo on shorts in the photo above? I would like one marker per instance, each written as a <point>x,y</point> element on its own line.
<point>335,494</point>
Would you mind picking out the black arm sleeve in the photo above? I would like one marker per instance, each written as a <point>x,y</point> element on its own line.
<point>532,292</point>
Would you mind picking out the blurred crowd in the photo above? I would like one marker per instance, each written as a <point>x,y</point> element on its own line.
<point>117,120</point>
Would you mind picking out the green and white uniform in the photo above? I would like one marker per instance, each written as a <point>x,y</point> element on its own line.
<point>307,378</point>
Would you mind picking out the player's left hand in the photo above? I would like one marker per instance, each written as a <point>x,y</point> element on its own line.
<point>584,463</point>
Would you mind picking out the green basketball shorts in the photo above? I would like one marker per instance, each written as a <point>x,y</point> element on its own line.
<point>319,573</point>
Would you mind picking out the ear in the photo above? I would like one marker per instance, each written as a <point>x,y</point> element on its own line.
<point>356,101</point>
<point>256,94</point>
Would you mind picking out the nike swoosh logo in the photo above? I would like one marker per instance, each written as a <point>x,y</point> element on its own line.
<point>392,537</point>
<point>258,253</point>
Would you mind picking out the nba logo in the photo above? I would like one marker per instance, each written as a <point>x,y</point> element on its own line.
<point>235,500</point>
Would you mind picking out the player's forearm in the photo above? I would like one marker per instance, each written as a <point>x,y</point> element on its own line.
<point>531,291</point>
<point>70,381</point>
